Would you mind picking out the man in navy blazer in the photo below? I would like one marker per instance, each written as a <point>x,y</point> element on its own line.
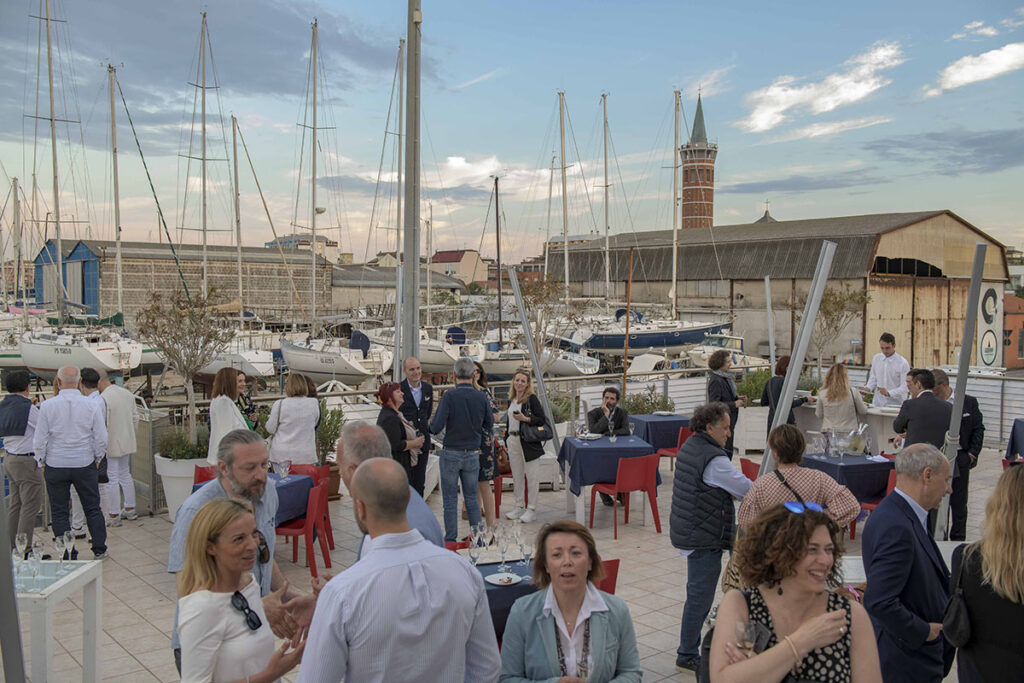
<point>924,418</point>
<point>417,405</point>
<point>907,579</point>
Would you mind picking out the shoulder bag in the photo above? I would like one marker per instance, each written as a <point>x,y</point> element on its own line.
<point>956,622</point>
<point>531,433</point>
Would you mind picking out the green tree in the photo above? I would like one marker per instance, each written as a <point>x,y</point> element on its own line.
<point>839,307</point>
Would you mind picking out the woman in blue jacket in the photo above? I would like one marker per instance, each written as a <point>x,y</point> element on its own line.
<point>569,630</point>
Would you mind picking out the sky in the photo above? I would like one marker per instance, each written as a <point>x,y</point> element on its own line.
<point>819,109</point>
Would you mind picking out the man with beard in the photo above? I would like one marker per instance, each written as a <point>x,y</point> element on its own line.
<point>242,461</point>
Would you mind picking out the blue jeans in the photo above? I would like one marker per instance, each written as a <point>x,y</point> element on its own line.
<point>456,466</point>
<point>702,570</point>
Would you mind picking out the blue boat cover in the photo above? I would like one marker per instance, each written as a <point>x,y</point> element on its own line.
<point>360,341</point>
<point>635,316</point>
<point>455,335</point>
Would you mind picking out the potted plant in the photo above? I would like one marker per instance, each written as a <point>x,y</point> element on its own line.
<point>327,434</point>
<point>176,459</point>
<point>647,401</point>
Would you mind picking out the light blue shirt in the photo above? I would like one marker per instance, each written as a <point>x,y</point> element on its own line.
<point>417,394</point>
<point>265,511</point>
<point>71,431</point>
<point>421,518</point>
<point>922,514</point>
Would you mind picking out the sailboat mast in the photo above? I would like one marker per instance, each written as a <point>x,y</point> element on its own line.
<point>312,221</point>
<point>547,232</point>
<point>16,235</point>
<point>430,252</point>
<point>565,201</point>
<point>238,221</point>
<point>202,161</point>
<point>497,238</point>
<point>56,188</point>
<point>607,252</point>
<point>117,195</point>
<point>398,207</point>
<point>675,211</point>
<point>410,283</point>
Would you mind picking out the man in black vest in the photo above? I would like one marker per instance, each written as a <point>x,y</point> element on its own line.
<point>972,438</point>
<point>417,404</point>
<point>18,428</point>
<point>701,520</point>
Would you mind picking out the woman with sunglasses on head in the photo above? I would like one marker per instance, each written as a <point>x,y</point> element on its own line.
<point>796,625</point>
<point>223,629</point>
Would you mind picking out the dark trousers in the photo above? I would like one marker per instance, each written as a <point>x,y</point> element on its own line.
<point>958,500</point>
<point>702,570</point>
<point>59,481</point>
<point>418,473</point>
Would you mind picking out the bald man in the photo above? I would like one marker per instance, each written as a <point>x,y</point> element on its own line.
<point>407,610</point>
<point>417,405</point>
<point>70,441</point>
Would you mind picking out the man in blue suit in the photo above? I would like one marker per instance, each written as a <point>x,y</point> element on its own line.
<point>907,579</point>
<point>417,404</point>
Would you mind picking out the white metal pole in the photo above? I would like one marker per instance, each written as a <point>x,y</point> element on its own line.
<point>56,178</point>
<point>675,213</point>
<point>410,283</point>
<point>238,222</point>
<point>565,201</point>
<point>117,194</point>
<point>312,222</point>
<point>607,249</point>
<point>771,320</point>
<point>399,255</point>
<point>430,253</point>
<point>202,163</point>
<point>547,232</point>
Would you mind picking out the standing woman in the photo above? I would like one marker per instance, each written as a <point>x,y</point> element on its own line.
<point>773,393</point>
<point>488,462</point>
<point>839,406</point>
<point>405,442</point>
<point>993,587</point>
<point>244,402</point>
<point>722,388</point>
<point>224,632</point>
<point>523,407</point>
<point>292,423</point>
<point>224,414</point>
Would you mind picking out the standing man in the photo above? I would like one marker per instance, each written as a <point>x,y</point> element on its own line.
<point>417,404</point>
<point>701,522</point>
<point>406,611</point>
<point>463,414</point>
<point>18,417</point>
<point>70,441</point>
<point>609,417</point>
<point>887,376</point>
<point>972,437</point>
<point>907,579</point>
<point>925,417</point>
<point>122,419</point>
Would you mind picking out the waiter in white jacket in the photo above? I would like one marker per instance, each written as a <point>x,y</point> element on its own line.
<point>888,375</point>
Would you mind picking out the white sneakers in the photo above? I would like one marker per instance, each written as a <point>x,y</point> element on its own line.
<point>113,521</point>
<point>528,516</point>
<point>130,515</point>
<point>514,514</point>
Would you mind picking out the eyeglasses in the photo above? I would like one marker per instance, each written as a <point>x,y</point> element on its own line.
<point>263,549</point>
<point>252,620</point>
<point>798,508</point>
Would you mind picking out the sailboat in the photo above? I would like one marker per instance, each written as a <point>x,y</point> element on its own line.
<point>44,350</point>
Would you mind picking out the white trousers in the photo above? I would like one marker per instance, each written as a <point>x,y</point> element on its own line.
<point>517,462</point>
<point>120,480</point>
<point>77,511</point>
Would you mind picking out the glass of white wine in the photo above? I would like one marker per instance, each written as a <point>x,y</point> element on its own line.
<point>746,632</point>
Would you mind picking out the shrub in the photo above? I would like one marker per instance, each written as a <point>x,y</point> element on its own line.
<point>174,444</point>
<point>328,431</point>
<point>646,402</point>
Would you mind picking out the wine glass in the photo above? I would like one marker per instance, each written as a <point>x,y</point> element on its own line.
<point>38,547</point>
<point>474,550</point>
<point>59,544</point>
<point>69,544</point>
<point>504,539</point>
<point>745,634</point>
<point>632,428</point>
<point>21,545</point>
<point>526,548</point>
<point>286,467</point>
<point>34,565</point>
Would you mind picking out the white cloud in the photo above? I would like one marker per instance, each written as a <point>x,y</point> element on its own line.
<point>971,69</point>
<point>861,76</point>
<point>817,130</point>
<point>479,79</point>
<point>711,83</point>
<point>1014,22</point>
<point>975,29</point>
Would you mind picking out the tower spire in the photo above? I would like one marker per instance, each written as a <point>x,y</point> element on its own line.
<point>699,133</point>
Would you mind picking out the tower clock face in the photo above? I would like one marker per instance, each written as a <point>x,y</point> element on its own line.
<point>989,306</point>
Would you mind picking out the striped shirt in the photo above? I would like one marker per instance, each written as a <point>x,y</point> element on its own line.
<point>812,485</point>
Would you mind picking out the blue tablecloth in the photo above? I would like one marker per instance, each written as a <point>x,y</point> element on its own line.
<point>597,462</point>
<point>865,478</point>
<point>1015,446</point>
<point>661,431</point>
<point>500,598</point>
<point>292,495</point>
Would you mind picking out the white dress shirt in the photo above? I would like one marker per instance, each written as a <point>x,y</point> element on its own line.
<point>292,422</point>
<point>919,511</point>
<point>406,611</point>
<point>889,372</point>
<point>572,646</point>
<point>70,431</point>
<point>122,418</point>
<point>23,445</point>
<point>224,418</point>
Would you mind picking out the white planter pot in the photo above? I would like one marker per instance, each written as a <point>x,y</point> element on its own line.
<point>177,477</point>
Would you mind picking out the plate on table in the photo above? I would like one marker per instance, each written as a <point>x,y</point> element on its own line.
<point>589,437</point>
<point>663,413</point>
<point>503,579</point>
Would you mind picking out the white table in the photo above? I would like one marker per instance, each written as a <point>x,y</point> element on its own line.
<point>87,577</point>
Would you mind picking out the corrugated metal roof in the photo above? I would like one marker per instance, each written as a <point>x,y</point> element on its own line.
<point>194,252</point>
<point>359,274</point>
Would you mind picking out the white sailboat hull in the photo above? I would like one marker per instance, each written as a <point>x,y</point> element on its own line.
<point>324,362</point>
<point>435,356</point>
<point>503,364</point>
<point>253,362</point>
<point>568,364</point>
<point>44,352</point>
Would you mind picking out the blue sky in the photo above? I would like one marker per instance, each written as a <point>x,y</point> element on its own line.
<point>821,109</point>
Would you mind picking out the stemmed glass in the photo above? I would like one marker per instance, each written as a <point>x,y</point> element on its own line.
<point>69,544</point>
<point>21,545</point>
<point>34,565</point>
<point>632,428</point>
<point>746,632</point>
<point>285,467</point>
<point>526,548</point>
<point>504,538</point>
<point>60,545</point>
<point>474,550</point>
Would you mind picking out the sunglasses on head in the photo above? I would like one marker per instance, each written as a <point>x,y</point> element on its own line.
<point>252,620</point>
<point>798,508</point>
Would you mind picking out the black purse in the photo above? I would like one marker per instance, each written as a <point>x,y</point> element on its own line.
<point>530,433</point>
<point>956,622</point>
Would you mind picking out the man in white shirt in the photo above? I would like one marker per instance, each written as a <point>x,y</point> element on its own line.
<point>122,418</point>
<point>888,374</point>
<point>70,440</point>
<point>406,611</point>
<point>18,417</point>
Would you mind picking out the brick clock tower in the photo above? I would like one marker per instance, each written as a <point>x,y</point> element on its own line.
<point>698,165</point>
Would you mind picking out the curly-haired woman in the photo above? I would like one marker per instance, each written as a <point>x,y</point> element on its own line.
<point>790,556</point>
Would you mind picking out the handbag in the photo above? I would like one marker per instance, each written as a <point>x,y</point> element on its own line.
<point>956,622</point>
<point>530,433</point>
<point>501,454</point>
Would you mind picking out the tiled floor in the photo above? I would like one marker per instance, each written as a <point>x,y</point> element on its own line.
<point>139,594</point>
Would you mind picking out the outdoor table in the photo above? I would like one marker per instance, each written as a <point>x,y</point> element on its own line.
<point>1015,446</point>
<point>500,598</point>
<point>86,576</point>
<point>661,431</point>
<point>866,478</point>
<point>292,495</point>
<point>596,462</point>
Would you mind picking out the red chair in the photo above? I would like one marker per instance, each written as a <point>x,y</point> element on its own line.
<point>203,473</point>
<point>634,474</point>
<point>611,575</point>
<point>1007,463</point>
<point>498,481</point>
<point>320,473</point>
<point>684,434</point>
<point>750,469</point>
<point>308,526</point>
<point>455,546</point>
<point>871,506</point>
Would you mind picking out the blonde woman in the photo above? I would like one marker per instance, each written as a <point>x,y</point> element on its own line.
<point>293,421</point>
<point>224,632</point>
<point>224,414</point>
<point>523,407</point>
<point>993,587</point>
<point>839,406</point>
